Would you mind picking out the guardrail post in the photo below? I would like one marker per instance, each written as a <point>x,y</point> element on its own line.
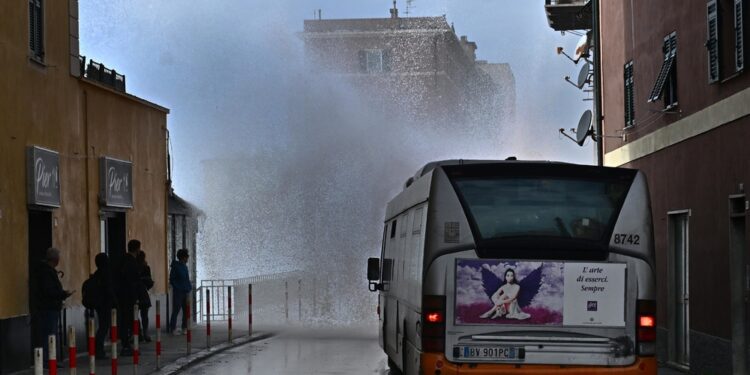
<point>136,336</point>
<point>113,338</point>
<point>72,350</point>
<point>158,334</point>
<point>92,346</point>
<point>52,352</point>
<point>299,300</point>
<point>286,300</point>
<point>208,318</point>
<point>249,309</point>
<point>189,334</point>
<point>229,312</point>
<point>38,361</point>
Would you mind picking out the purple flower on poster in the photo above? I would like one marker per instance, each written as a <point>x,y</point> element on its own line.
<point>508,292</point>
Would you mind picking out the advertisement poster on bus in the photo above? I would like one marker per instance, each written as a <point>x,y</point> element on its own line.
<point>539,293</point>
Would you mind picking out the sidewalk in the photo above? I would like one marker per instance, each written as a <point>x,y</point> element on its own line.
<point>174,356</point>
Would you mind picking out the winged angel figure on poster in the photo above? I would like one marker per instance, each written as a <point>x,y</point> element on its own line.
<point>512,295</point>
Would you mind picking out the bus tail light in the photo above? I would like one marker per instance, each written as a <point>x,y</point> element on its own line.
<point>646,326</point>
<point>433,324</point>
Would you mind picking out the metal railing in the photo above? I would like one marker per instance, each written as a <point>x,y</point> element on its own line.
<point>274,296</point>
<point>96,71</point>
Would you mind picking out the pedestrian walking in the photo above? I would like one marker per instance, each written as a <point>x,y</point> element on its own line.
<point>99,296</point>
<point>179,278</point>
<point>127,296</point>
<point>144,300</point>
<point>47,296</point>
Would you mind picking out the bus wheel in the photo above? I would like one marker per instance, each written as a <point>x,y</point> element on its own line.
<point>394,370</point>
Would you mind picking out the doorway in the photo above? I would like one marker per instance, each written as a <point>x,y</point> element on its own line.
<point>679,289</point>
<point>40,239</point>
<point>113,237</point>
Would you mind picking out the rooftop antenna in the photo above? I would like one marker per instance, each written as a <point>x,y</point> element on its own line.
<point>394,10</point>
<point>409,6</point>
<point>320,14</point>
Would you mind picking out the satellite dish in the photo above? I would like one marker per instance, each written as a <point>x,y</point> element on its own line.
<point>582,48</point>
<point>583,75</point>
<point>584,127</point>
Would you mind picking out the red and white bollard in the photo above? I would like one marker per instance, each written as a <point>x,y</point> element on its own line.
<point>92,347</point>
<point>158,334</point>
<point>52,355</point>
<point>38,361</point>
<point>250,309</point>
<point>113,337</point>
<point>72,350</point>
<point>229,313</point>
<point>188,328</point>
<point>136,336</point>
<point>208,318</point>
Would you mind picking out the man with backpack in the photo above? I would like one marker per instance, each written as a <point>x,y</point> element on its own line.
<point>99,296</point>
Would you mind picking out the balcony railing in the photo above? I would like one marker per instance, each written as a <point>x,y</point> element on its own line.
<point>96,71</point>
<point>565,15</point>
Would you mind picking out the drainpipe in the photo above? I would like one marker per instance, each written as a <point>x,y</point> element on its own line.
<point>598,117</point>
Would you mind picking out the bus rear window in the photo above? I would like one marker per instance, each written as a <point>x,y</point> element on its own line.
<point>502,207</point>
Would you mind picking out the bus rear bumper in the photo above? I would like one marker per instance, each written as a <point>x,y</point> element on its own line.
<point>437,364</point>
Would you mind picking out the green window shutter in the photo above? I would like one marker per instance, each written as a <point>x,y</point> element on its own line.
<point>739,35</point>
<point>629,102</point>
<point>712,44</point>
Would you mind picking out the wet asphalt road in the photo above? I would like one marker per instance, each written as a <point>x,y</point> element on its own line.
<point>313,352</point>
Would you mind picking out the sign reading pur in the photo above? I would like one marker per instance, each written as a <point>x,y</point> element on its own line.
<point>116,183</point>
<point>43,177</point>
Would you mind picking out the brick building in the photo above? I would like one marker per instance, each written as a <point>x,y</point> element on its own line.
<point>413,65</point>
<point>675,104</point>
<point>83,166</point>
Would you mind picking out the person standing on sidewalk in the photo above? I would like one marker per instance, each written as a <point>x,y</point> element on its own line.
<point>129,284</point>
<point>179,278</point>
<point>144,300</point>
<point>47,296</point>
<point>103,300</point>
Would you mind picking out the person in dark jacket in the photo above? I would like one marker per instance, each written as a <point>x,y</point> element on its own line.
<point>129,285</point>
<point>144,300</point>
<point>179,278</point>
<point>47,298</point>
<point>105,300</point>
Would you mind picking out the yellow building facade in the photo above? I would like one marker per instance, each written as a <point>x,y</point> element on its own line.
<point>83,166</point>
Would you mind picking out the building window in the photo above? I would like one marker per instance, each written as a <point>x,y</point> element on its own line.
<point>666,81</point>
<point>712,42</point>
<point>36,36</point>
<point>374,61</point>
<point>739,36</point>
<point>629,103</point>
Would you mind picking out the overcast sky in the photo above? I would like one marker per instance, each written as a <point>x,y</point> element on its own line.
<point>210,60</point>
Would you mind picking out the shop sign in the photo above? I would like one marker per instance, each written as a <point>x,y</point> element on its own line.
<point>43,177</point>
<point>116,182</point>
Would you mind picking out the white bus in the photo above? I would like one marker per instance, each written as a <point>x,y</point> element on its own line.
<point>522,267</point>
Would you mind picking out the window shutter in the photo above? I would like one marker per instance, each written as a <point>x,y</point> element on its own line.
<point>35,28</point>
<point>32,26</point>
<point>40,28</point>
<point>739,36</point>
<point>712,44</point>
<point>363,61</point>
<point>386,60</point>
<point>629,102</point>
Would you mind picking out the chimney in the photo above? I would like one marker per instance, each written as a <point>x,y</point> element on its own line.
<point>394,11</point>
<point>469,47</point>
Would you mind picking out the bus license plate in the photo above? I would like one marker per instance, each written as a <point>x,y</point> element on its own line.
<point>490,352</point>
